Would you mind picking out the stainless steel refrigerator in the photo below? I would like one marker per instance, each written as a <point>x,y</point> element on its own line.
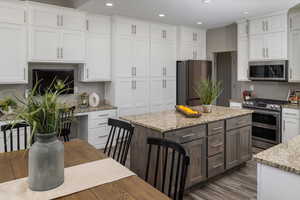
<point>189,73</point>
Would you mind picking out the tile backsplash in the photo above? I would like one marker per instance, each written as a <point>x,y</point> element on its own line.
<point>80,87</point>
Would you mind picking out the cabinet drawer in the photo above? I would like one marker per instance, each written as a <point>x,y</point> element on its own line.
<point>216,128</point>
<point>102,114</point>
<point>96,123</point>
<point>215,144</point>
<point>215,165</point>
<point>238,122</point>
<point>98,135</point>
<point>294,113</point>
<point>188,134</point>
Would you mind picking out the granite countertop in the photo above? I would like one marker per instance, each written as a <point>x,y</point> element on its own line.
<point>78,110</point>
<point>237,100</point>
<point>171,120</point>
<point>283,156</point>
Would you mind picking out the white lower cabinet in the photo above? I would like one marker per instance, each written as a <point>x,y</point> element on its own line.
<point>98,129</point>
<point>290,124</point>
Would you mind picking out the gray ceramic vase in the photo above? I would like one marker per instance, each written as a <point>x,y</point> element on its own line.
<point>46,163</point>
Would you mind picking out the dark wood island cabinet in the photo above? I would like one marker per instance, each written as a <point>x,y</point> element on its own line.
<point>215,142</point>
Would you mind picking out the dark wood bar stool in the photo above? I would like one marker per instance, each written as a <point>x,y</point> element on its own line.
<point>15,135</point>
<point>119,139</point>
<point>169,171</point>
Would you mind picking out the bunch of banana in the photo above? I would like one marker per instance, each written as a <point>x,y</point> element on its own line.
<point>187,110</point>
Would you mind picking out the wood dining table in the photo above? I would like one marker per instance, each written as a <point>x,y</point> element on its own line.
<point>13,165</point>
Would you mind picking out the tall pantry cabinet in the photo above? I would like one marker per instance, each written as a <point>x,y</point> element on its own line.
<point>162,67</point>
<point>130,65</point>
<point>143,67</point>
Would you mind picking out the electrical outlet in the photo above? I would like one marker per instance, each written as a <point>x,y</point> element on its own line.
<point>75,90</point>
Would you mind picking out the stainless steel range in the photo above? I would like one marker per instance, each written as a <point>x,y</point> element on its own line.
<point>266,127</point>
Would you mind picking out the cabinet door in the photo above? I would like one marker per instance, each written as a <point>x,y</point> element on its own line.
<point>290,128</point>
<point>140,57</point>
<point>169,94</point>
<point>123,57</point>
<point>294,73</point>
<point>98,24</point>
<point>157,59</point>
<point>257,26</point>
<point>187,52</point>
<point>45,16</point>
<point>132,28</point>
<point>243,29</point>
<point>274,46</point>
<point>141,96</point>
<point>243,59</point>
<point>124,97</point>
<point>257,48</point>
<point>13,62</point>
<point>156,94</point>
<point>12,13</point>
<point>73,20</point>
<point>245,148</point>
<point>73,46</point>
<point>98,57</point>
<point>232,148</point>
<point>169,59</point>
<point>295,22</point>
<point>44,44</point>
<point>277,23</point>
<point>197,168</point>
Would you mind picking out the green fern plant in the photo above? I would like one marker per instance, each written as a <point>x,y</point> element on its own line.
<point>208,91</point>
<point>42,112</point>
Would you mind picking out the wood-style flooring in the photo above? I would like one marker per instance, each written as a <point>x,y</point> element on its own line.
<point>240,184</point>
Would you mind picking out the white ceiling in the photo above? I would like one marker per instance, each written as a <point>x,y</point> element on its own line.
<point>187,12</point>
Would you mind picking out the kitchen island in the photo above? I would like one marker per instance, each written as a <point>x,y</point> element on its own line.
<point>215,142</point>
<point>278,171</point>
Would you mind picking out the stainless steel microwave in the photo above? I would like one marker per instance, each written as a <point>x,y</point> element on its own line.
<point>268,71</point>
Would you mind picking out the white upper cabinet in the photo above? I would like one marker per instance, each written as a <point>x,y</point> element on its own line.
<point>243,52</point>
<point>44,16</point>
<point>72,20</point>
<point>56,34</point>
<point>130,28</point>
<point>191,44</point>
<point>12,13</point>
<point>270,24</point>
<point>56,17</point>
<point>13,42</point>
<point>44,44</point>
<point>72,46</point>
<point>98,49</point>
<point>162,32</point>
<point>294,48</point>
<point>268,37</point>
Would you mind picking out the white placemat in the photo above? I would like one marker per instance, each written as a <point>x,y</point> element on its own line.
<point>77,178</point>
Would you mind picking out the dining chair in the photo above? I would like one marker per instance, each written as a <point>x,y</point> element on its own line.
<point>119,139</point>
<point>168,167</point>
<point>66,117</point>
<point>16,137</point>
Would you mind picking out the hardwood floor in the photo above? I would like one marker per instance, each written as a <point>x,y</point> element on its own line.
<point>240,184</point>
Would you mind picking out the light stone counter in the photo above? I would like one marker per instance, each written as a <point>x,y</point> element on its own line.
<point>172,120</point>
<point>78,110</point>
<point>283,156</point>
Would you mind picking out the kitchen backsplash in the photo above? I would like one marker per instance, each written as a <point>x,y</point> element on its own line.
<point>270,90</point>
<point>19,90</point>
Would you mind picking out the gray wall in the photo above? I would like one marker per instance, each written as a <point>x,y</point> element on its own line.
<point>19,90</point>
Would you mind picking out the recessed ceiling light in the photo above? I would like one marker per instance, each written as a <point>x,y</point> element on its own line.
<point>109,4</point>
<point>246,12</point>
<point>199,23</point>
<point>206,1</point>
<point>161,15</point>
